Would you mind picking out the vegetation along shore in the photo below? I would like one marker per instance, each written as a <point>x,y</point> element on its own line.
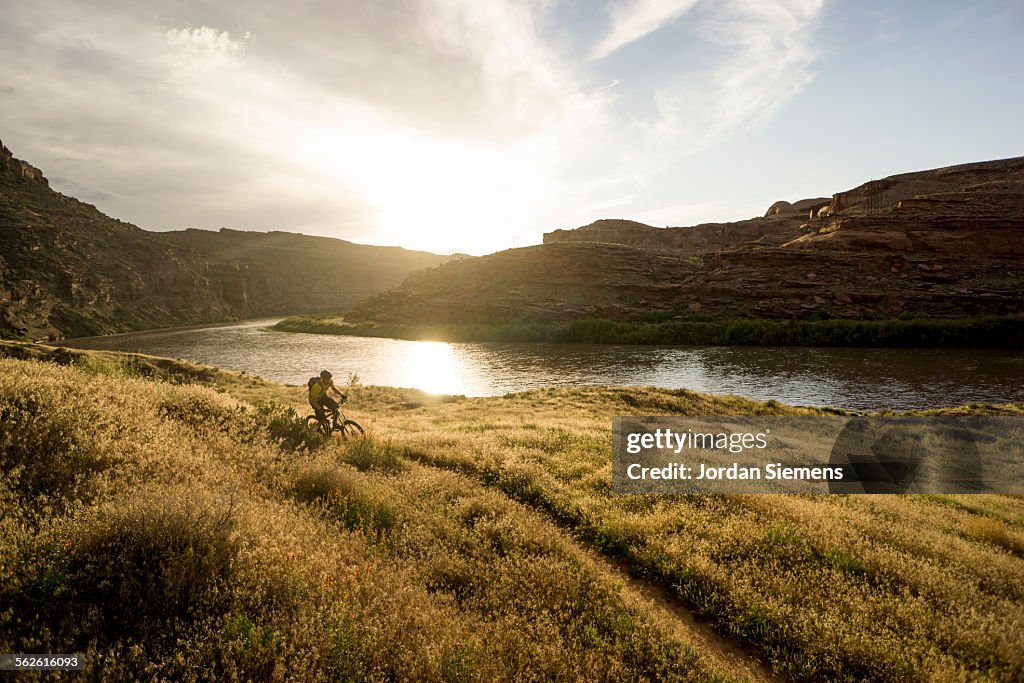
<point>977,332</point>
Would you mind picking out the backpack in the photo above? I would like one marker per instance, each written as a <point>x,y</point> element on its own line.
<point>311,382</point>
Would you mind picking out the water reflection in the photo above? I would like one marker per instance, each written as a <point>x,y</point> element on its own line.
<point>432,367</point>
<point>850,378</point>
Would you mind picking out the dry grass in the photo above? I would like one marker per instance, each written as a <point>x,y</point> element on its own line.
<point>163,530</point>
<point>835,587</point>
<point>445,548</point>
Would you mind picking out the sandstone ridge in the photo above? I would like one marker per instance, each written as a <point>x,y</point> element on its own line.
<point>943,243</point>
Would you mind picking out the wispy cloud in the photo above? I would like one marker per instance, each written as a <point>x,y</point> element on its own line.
<point>634,19</point>
<point>762,55</point>
<point>196,50</point>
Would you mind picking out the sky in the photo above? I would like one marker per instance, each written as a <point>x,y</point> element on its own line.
<point>478,125</point>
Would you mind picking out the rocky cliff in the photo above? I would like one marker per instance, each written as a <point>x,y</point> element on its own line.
<point>943,243</point>
<point>970,210</point>
<point>67,269</point>
<point>780,223</point>
<point>689,241</point>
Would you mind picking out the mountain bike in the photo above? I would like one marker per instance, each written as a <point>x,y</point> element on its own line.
<point>335,421</point>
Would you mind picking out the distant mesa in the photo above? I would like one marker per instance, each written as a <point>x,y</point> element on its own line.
<point>942,243</point>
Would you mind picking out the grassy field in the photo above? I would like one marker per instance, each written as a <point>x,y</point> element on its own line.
<point>983,331</point>
<point>171,521</point>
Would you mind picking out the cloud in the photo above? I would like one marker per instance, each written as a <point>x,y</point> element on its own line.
<point>634,19</point>
<point>195,50</point>
<point>762,55</point>
<point>429,123</point>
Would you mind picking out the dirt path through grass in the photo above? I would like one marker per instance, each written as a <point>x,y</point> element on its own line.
<point>740,661</point>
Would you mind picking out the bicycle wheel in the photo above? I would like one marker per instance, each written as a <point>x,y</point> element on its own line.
<point>312,423</point>
<point>350,429</point>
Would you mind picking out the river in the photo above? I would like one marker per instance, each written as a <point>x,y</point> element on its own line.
<point>859,379</point>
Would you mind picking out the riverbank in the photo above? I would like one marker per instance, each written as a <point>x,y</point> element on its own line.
<point>1004,332</point>
<point>467,538</point>
<point>847,377</point>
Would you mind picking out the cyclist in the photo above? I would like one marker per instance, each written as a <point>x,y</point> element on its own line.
<point>320,400</point>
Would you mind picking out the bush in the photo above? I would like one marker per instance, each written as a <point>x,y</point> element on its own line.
<point>126,366</point>
<point>201,409</point>
<point>286,428</point>
<point>369,454</point>
<point>990,331</point>
<point>252,648</point>
<point>45,446</point>
<point>139,572</point>
<point>348,498</point>
<point>656,327</point>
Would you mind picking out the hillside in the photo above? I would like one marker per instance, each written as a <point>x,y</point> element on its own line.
<point>172,521</point>
<point>539,283</point>
<point>946,243</point>
<point>66,269</point>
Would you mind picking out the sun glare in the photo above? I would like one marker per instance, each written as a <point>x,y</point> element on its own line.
<point>431,367</point>
<point>426,192</point>
<point>442,196</point>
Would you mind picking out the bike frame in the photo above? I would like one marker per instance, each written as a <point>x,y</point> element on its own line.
<point>336,416</point>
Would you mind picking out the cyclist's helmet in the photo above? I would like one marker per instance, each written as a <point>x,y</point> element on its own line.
<point>324,374</point>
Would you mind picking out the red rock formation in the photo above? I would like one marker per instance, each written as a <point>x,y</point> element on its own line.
<point>974,209</point>
<point>690,241</point>
<point>67,269</point>
<point>942,243</point>
<point>16,168</point>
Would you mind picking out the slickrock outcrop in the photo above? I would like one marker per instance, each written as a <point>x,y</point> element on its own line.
<point>780,224</point>
<point>969,210</point>
<point>780,208</point>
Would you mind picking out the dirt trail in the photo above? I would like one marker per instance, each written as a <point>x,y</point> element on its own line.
<point>734,658</point>
<point>638,591</point>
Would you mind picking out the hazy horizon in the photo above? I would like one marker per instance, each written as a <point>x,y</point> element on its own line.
<point>451,125</point>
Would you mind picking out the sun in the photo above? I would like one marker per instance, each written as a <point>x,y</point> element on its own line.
<point>432,367</point>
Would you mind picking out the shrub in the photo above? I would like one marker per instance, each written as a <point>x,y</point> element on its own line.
<point>125,366</point>
<point>201,408</point>
<point>251,647</point>
<point>657,327</point>
<point>139,571</point>
<point>347,498</point>
<point>45,446</point>
<point>286,428</point>
<point>996,532</point>
<point>370,454</point>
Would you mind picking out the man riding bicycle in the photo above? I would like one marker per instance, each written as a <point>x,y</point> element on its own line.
<point>319,399</point>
